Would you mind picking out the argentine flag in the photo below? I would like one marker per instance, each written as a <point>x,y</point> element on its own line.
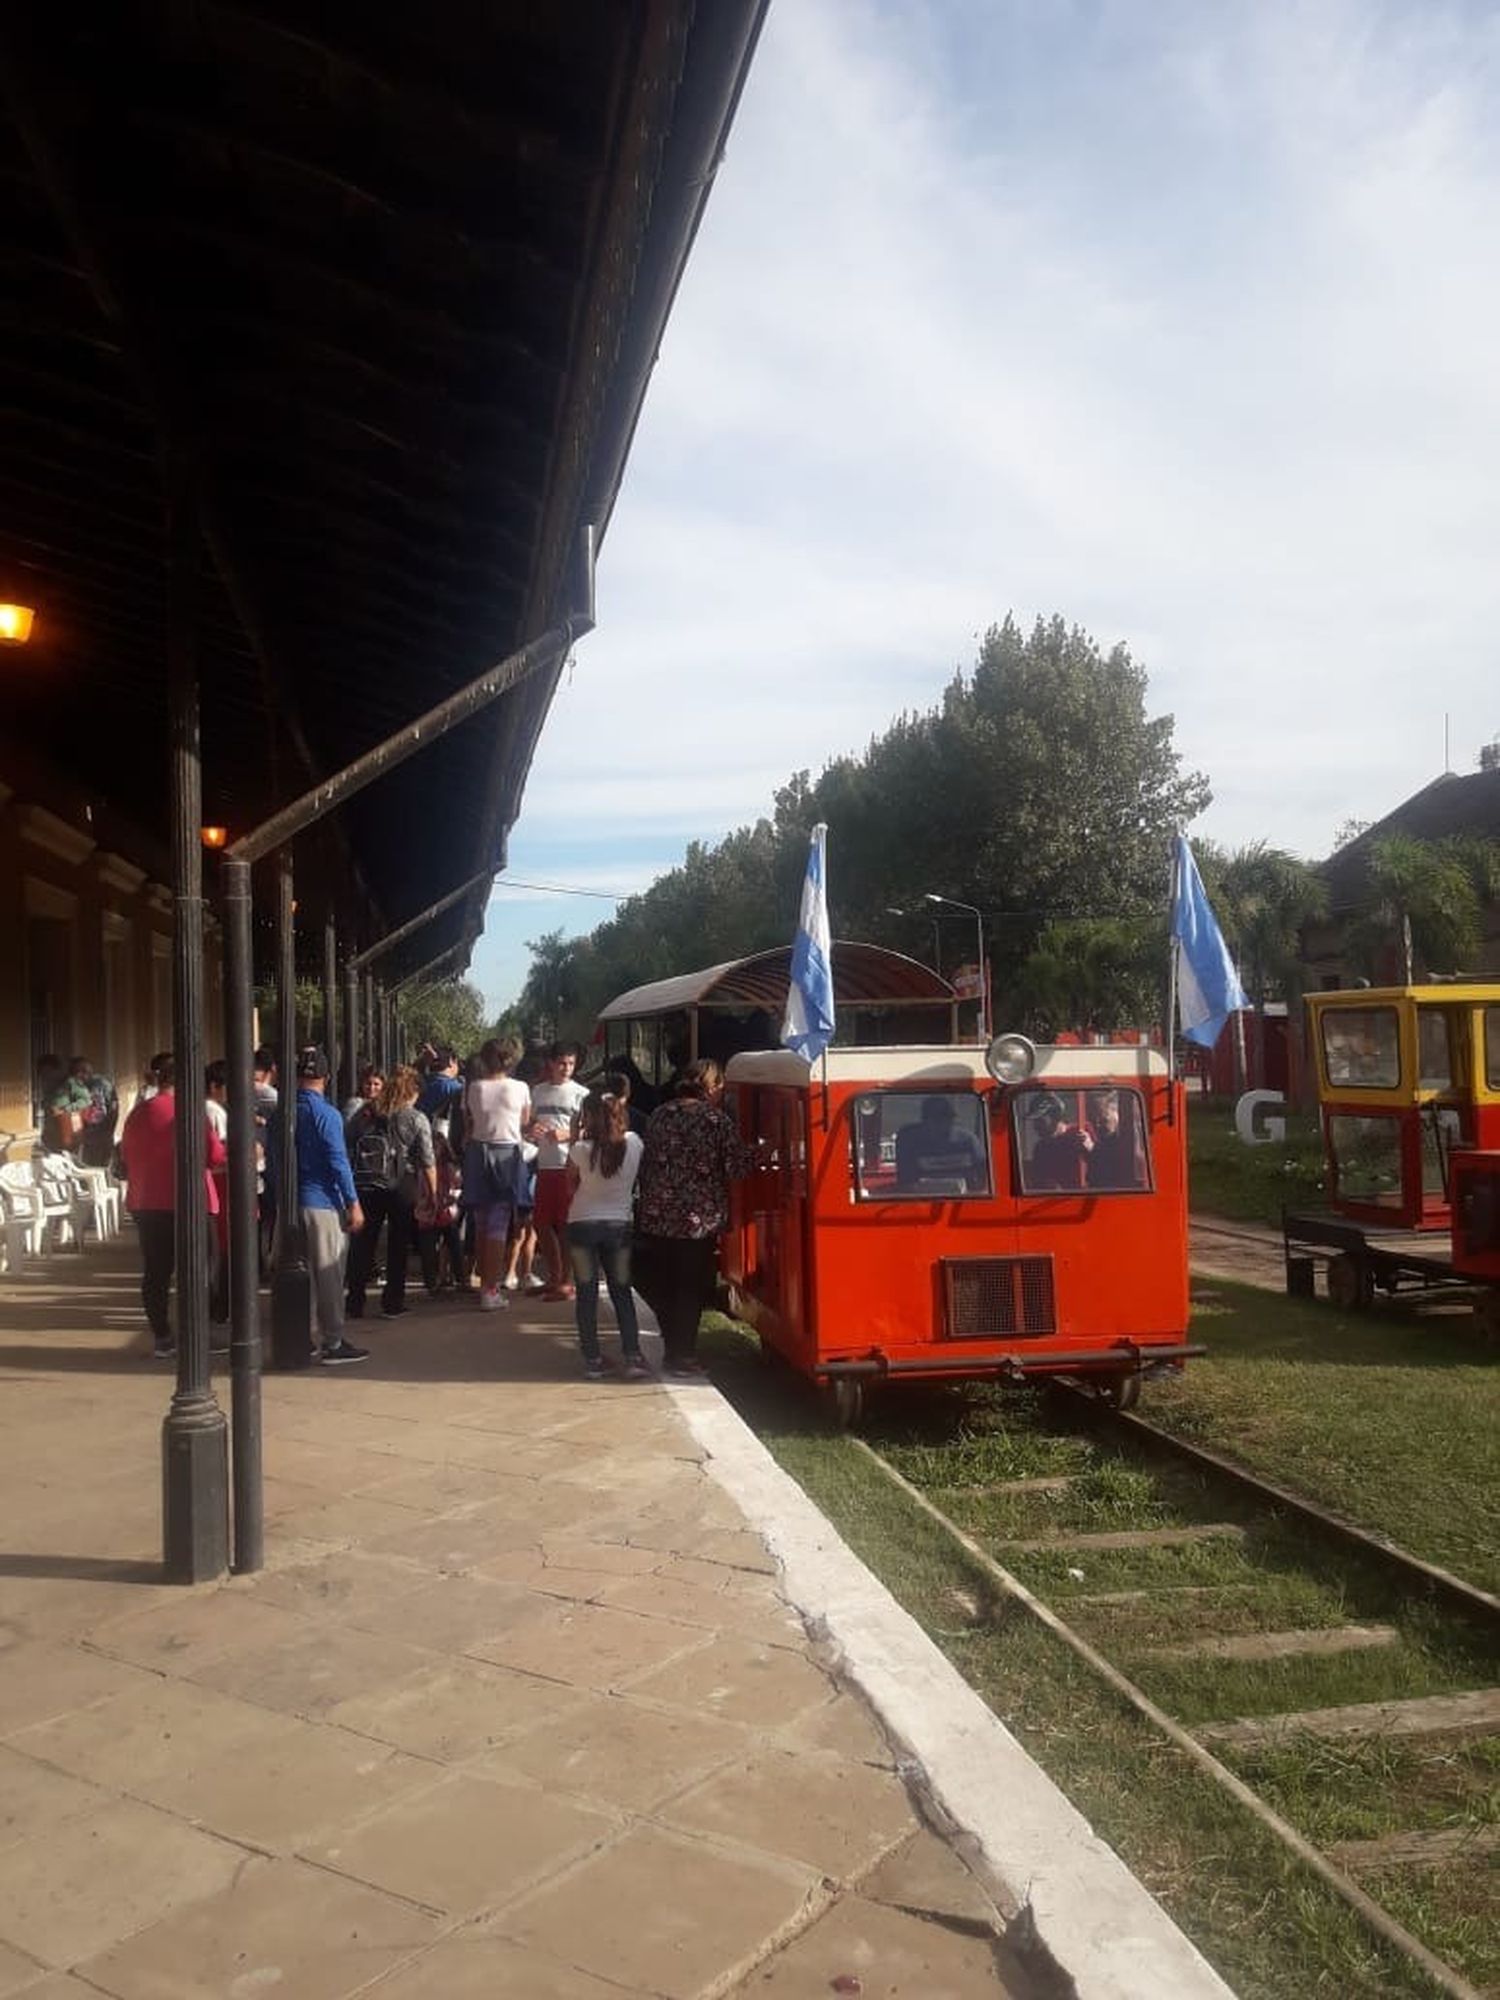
<point>1208,987</point>
<point>808,1027</point>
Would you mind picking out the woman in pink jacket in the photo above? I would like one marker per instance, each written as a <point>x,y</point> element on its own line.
<point>148,1144</point>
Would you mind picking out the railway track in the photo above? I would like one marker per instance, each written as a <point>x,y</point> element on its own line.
<point>1236,1589</point>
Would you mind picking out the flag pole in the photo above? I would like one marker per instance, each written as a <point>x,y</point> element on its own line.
<point>1172,984</point>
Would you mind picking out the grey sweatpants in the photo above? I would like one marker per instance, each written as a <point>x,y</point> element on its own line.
<point>327,1253</point>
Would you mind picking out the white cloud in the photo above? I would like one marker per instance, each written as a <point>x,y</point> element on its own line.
<point>1177,320</point>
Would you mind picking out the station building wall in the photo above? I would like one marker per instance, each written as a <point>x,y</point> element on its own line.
<point>87,964</point>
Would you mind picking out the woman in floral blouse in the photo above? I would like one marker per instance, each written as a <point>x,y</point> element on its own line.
<point>693,1151</point>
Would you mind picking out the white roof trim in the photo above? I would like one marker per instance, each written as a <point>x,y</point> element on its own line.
<point>941,1065</point>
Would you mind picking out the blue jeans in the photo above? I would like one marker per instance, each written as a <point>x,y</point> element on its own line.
<point>590,1246</point>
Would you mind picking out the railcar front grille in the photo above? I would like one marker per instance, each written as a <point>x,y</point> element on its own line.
<point>990,1298</point>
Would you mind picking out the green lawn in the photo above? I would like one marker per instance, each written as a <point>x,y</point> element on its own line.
<point>1251,1183</point>
<point>1391,1416</point>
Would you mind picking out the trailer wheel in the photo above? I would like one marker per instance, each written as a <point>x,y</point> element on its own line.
<point>844,1401</point>
<point>1487,1317</point>
<point>1348,1281</point>
<point>1122,1391</point>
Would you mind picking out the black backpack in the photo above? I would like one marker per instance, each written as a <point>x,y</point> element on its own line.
<point>377,1154</point>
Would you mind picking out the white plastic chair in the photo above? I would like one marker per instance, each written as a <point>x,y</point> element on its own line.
<point>103,1193</point>
<point>60,1176</point>
<point>22,1227</point>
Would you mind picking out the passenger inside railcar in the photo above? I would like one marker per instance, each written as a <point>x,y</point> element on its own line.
<point>936,1155</point>
<point>1056,1152</point>
<point>1117,1158</point>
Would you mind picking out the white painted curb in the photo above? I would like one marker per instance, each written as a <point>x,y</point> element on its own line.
<point>1100,1925</point>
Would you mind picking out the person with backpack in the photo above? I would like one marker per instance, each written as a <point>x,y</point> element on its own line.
<point>390,1152</point>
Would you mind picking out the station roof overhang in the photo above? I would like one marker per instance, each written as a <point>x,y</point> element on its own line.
<point>380,290</point>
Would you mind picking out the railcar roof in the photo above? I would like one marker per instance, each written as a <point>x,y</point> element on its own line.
<point>863,975</point>
<point>939,1064</point>
<point>1473,991</point>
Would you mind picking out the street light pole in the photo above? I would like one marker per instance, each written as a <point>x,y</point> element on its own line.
<point>953,903</point>
<point>937,939</point>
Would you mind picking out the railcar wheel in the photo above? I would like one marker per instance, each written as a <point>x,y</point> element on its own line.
<point>1122,1391</point>
<point>844,1400</point>
<point>1348,1281</point>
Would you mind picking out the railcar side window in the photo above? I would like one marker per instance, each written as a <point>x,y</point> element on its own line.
<point>1434,1049</point>
<point>1081,1141</point>
<point>1367,1158</point>
<point>1492,1047</point>
<point>1361,1048</point>
<point>921,1146</point>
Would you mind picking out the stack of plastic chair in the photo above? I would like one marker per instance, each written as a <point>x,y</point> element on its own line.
<point>32,1176</point>
<point>29,1202</point>
<point>22,1226</point>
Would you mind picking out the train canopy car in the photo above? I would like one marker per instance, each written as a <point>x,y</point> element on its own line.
<point>1409,1090</point>
<point>880,997</point>
<point>911,1215</point>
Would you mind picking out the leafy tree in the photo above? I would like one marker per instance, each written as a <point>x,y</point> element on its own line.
<point>1093,974</point>
<point>452,1011</point>
<point>1037,789</point>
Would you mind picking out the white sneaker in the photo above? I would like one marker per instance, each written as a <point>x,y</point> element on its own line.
<point>492,1299</point>
<point>512,1283</point>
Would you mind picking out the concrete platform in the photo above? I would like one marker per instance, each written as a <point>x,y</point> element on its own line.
<point>522,1704</point>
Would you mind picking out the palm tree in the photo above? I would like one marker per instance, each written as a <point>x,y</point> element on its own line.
<point>1264,898</point>
<point>1425,899</point>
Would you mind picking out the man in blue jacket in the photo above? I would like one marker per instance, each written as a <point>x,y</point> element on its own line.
<point>329,1203</point>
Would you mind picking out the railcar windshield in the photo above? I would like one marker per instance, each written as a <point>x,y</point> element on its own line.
<point>1361,1048</point>
<point>1492,1048</point>
<point>914,1145</point>
<point>1081,1141</point>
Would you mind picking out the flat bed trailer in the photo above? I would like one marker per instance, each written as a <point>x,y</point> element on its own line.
<point>1361,1259</point>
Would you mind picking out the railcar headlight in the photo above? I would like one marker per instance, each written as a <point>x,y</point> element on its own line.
<point>1010,1058</point>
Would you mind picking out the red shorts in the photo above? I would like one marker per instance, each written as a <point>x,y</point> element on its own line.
<point>553,1196</point>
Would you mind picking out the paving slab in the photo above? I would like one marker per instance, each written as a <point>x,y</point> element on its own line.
<point>519,1704</point>
<point>279,1928</point>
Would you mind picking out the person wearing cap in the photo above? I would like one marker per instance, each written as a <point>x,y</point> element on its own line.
<point>1058,1157</point>
<point>939,1153</point>
<point>329,1204</point>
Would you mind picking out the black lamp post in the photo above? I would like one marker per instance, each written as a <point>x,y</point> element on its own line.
<point>953,903</point>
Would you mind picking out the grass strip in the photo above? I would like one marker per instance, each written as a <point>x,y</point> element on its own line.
<point>1390,1416</point>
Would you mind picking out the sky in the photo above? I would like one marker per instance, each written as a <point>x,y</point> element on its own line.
<point>1178,320</point>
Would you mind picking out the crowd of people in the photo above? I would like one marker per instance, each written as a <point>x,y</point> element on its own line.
<point>504,1174</point>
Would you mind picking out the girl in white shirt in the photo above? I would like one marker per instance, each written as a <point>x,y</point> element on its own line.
<point>602,1165</point>
<point>496,1107</point>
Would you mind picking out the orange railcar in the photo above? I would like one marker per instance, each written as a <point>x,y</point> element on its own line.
<point>911,1216</point>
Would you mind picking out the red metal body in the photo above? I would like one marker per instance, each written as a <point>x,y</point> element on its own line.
<point>859,1247</point>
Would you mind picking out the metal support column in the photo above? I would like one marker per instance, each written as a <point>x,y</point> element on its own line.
<point>349,1082</point>
<point>290,1293</point>
<point>195,1443</point>
<point>367,1017</point>
<point>244,1235</point>
<point>330,1001</point>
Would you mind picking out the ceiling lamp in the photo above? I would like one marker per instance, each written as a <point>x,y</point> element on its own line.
<point>15,623</point>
